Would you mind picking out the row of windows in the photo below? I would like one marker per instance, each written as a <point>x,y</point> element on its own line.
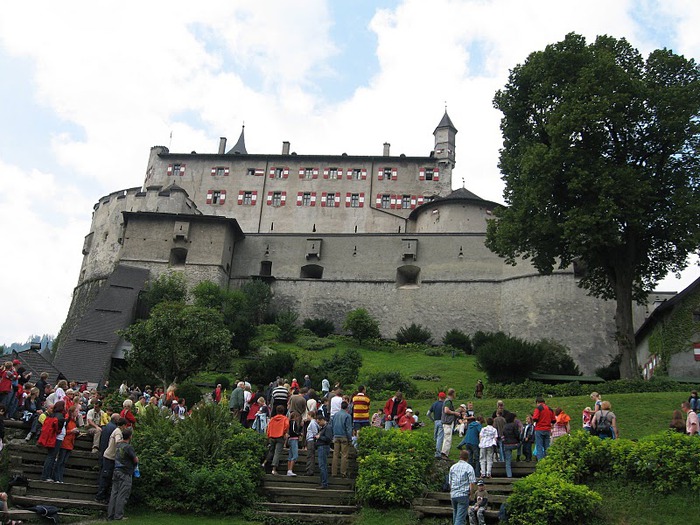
<point>328,199</point>
<point>310,173</point>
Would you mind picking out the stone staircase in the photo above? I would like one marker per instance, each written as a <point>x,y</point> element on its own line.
<point>74,498</point>
<point>499,487</point>
<point>300,498</point>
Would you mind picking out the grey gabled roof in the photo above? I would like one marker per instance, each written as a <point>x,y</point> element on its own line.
<point>86,353</point>
<point>239,147</point>
<point>445,122</point>
<point>34,362</point>
<point>664,308</point>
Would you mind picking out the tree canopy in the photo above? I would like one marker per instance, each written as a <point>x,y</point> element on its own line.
<point>600,161</point>
<point>177,340</point>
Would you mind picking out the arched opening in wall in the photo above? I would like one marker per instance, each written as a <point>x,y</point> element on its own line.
<point>408,276</point>
<point>178,256</point>
<point>311,271</point>
<point>266,268</point>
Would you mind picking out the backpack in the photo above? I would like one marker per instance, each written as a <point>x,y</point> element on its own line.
<point>604,424</point>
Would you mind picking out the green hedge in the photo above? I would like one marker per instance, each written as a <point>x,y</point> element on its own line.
<point>549,499</point>
<point>667,461</point>
<point>393,466</point>
<point>529,388</point>
<point>208,460</point>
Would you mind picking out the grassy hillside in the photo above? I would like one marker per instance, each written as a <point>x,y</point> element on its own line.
<point>638,414</point>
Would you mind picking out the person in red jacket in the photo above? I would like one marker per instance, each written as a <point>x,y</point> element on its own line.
<point>277,431</point>
<point>127,414</point>
<point>544,419</point>
<point>394,408</point>
<point>68,443</point>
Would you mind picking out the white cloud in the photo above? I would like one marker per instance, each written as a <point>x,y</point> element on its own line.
<point>42,225</point>
<point>127,74</point>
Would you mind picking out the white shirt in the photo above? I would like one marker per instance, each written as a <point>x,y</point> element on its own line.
<point>336,401</point>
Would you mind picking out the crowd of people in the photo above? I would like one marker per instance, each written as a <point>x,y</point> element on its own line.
<point>298,417</point>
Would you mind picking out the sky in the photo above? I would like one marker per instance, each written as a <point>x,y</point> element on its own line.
<point>86,88</point>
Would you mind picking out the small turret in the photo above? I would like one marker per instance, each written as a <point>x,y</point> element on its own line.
<point>239,147</point>
<point>445,140</point>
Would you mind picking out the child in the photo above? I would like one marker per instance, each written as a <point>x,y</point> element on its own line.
<point>476,511</point>
<point>694,401</point>
<point>295,429</point>
<point>586,418</point>
<point>488,441</point>
<point>527,438</point>
<point>377,419</point>
<point>262,417</point>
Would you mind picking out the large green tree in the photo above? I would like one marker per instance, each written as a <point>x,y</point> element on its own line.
<point>177,340</point>
<point>600,161</point>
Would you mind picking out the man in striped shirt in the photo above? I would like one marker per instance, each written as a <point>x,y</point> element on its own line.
<point>360,410</point>
<point>462,483</point>
<point>280,395</point>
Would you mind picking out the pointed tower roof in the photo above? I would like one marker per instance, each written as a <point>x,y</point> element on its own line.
<point>239,147</point>
<point>446,123</point>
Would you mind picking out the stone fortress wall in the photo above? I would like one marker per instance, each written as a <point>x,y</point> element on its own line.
<point>416,256</point>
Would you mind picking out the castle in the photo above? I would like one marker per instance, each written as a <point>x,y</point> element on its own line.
<point>329,233</point>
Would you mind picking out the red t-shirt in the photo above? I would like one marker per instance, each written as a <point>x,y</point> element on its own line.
<point>6,379</point>
<point>544,417</point>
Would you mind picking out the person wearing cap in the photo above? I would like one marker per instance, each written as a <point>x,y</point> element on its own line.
<point>94,420</point>
<point>462,481</point>
<point>477,510</point>
<point>406,421</point>
<point>435,414</point>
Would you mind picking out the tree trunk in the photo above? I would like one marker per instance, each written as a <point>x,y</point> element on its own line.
<point>625,327</point>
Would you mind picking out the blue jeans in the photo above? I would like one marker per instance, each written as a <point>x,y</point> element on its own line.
<point>293,450</point>
<point>50,461</point>
<point>388,425</point>
<point>323,463</point>
<point>695,404</point>
<point>508,455</point>
<point>542,440</point>
<point>475,458</point>
<point>63,456</point>
<point>460,506</point>
<point>438,435</point>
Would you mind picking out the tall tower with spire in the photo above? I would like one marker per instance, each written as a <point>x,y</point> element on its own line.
<point>445,140</point>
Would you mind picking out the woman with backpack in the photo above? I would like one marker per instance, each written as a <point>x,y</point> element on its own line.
<point>52,433</point>
<point>604,422</point>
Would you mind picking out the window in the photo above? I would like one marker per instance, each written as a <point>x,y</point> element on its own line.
<point>330,200</point>
<point>215,196</point>
<point>356,174</point>
<point>311,271</point>
<point>266,268</point>
<point>279,173</point>
<point>220,172</point>
<point>178,256</point>
<point>405,202</point>
<point>428,198</point>
<point>386,172</point>
<point>247,198</point>
<point>251,172</point>
<point>355,200</point>
<point>277,198</point>
<point>308,173</point>
<point>306,199</point>
<point>408,276</point>
<point>332,173</point>
<point>429,173</point>
<point>176,169</point>
<point>386,201</point>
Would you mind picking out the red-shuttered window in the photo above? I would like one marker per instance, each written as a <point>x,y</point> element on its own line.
<point>278,172</point>
<point>247,198</point>
<point>388,173</point>
<point>306,198</point>
<point>216,197</point>
<point>176,169</point>
<point>276,198</point>
<point>357,174</point>
<point>308,173</point>
<point>330,200</point>
<point>219,171</point>
<point>429,174</point>
<point>354,200</point>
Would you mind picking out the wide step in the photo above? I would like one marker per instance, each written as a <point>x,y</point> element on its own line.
<point>313,517</point>
<point>294,508</point>
<point>80,504</point>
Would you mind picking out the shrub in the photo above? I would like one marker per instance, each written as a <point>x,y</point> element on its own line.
<point>547,499</point>
<point>458,339</point>
<point>224,381</point>
<point>425,377</point>
<point>342,367</point>
<point>191,393</point>
<point>413,334</point>
<point>208,458</point>
<point>436,351</point>
<point>391,381</point>
<point>320,326</point>
<point>262,370</point>
<point>361,325</point>
<point>313,343</point>
<point>504,358</point>
<point>265,334</point>
<point>554,358</point>
<point>611,371</point>
<point>287,323</point>
<point>393,467</point>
